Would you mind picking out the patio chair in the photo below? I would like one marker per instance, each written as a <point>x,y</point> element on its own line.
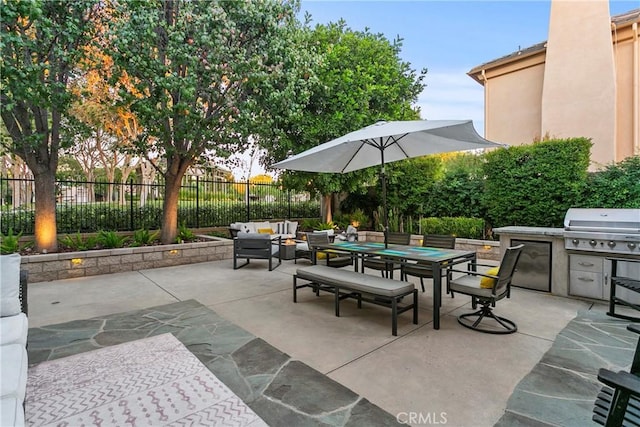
<point>618,402</point>
<point>383,265</point>
<point>423,269</point>
<point>333,258</point>
<point>488,289</point>
<point>256,246</point>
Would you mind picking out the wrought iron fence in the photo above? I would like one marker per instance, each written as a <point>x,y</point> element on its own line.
<point>90,206</point>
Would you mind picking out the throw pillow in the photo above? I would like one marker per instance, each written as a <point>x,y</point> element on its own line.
<point>9,285</point>
<point>487,282</point>
<point>292,227</point>
<point>265,231</point>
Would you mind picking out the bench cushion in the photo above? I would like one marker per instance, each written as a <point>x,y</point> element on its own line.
<point>355,281</point>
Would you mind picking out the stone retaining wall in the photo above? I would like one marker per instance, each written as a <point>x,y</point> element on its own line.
<point>65,265</point>
<point>47,267</point>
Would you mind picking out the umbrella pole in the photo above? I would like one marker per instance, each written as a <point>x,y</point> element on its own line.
<point>384,201</point>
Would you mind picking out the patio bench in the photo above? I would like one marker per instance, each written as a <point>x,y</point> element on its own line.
<point>618,402</point>
<point>363,287</point>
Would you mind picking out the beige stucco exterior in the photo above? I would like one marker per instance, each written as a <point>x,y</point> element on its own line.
<point>582,82</point>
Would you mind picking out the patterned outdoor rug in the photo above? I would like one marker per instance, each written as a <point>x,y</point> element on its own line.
<point>148,382</point>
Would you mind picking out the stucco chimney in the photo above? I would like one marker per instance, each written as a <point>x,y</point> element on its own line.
<point>579,96</point>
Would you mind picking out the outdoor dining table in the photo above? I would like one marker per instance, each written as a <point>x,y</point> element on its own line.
<point>438,258</point>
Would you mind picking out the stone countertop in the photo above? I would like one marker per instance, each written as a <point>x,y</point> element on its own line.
<point>533,231</point>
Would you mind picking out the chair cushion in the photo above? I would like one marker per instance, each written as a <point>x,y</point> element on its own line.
<point>9,285</point>
<point>13,329</point>
<point>13,371</point>
<point>488,282</point>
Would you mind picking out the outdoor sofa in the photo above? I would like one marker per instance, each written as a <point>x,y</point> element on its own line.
<point>13,340</point>
<point>284,229</point>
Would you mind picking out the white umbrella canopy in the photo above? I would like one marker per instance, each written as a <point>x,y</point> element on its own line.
<point>385,142</point>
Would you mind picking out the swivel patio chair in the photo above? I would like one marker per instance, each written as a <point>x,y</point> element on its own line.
<point>423,269</point>
<point>383,265</point>
<point>256,246</point>
<point>487,289</point>
<point>332,258</point>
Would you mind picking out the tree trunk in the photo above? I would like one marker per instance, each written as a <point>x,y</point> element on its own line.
<point>176,168</point>
<point>327,214</point>
<point>46,233</point>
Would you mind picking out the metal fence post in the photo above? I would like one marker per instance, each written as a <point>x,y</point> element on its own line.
<point>248,199</point>
<point>197,201</point>
<point>131,222</point>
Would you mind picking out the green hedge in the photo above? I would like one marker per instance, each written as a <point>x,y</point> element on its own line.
<point>534,185</point>
<point>617,186</point>
<point>468,228</point>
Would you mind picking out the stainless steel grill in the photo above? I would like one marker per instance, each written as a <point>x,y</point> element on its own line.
<point>592,238</point>
<point>605,231</point>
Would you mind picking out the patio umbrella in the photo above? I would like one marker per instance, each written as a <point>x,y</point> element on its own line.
<point>384,142</point>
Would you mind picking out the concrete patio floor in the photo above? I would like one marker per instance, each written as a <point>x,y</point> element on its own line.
<point>452,375</point>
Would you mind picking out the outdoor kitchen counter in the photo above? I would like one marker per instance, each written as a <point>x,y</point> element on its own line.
<point>530,231</point>
<point>559,274</point>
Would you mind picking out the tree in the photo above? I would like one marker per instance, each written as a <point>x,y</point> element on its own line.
<point>208,76</point>
<point>411,182</point>
<point>42,41</point>
<point>361,79</point>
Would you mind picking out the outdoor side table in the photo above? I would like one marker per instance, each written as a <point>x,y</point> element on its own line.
<point>287,250</point>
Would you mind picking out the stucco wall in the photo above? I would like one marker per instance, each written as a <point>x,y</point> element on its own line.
<point>513,106</point>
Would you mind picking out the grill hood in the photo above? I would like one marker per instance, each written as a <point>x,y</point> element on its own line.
<point>602,220</point>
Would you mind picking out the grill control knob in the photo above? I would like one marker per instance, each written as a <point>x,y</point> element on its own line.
<point>611,244</point>
<point>592,242</point>
<point>575,241</point>
<point>631,245</point>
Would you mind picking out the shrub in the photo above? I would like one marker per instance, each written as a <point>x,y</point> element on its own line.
<point>468,228</point>
<point>111,239</point>
<point>617,186</point>
<point>144,237</point>
<point>78,243</point>
<point>10,243</point>
<point>534,185</point>
<point>184,234</point>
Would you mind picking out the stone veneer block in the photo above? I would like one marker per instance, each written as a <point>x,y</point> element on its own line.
<point>86,262</point>
<point>152,256</point>
<point>191,252</point>
<point>56,265</point>
<point>110,260</point>
<point>131,258</point>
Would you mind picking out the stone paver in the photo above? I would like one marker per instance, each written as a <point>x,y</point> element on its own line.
<point>562,387</point>
<point>282,391</point>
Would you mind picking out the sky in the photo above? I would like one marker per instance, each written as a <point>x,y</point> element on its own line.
<point>449,38</point>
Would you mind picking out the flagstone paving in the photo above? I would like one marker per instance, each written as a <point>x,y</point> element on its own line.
<point>282,391</point>
<point>561,389</point>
